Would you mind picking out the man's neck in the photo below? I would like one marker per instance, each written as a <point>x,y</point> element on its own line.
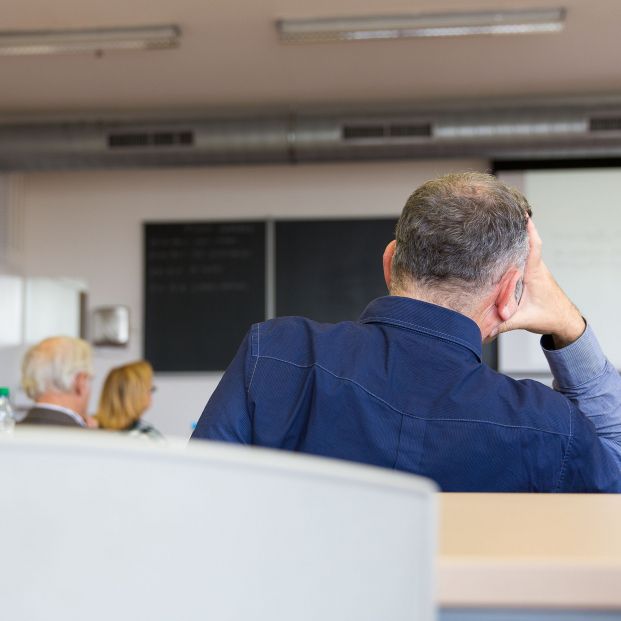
<point>452,299</point>
<point>61,400</point>
<point>455,300</point>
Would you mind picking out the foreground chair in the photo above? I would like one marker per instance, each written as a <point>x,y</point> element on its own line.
<point>97,527</point>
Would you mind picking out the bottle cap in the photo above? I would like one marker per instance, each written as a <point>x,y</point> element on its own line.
<point>4,392</point>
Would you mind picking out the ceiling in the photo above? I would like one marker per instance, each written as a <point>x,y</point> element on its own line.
<point>230,58</point>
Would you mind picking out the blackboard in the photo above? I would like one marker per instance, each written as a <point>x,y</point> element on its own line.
<point>329,270</point>
<point>204,287</point>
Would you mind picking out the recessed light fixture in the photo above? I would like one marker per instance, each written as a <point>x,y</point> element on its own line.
<point>329,29</point>
<point>23,43</point>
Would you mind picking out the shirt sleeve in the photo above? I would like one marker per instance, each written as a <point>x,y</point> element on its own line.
<point>227,415</point>
<point>587,378</point>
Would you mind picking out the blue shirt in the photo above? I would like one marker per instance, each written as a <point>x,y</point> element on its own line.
<point>405,388</point>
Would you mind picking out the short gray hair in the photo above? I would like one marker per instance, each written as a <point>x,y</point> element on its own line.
<point>53,364</point>
<point>460,232</point>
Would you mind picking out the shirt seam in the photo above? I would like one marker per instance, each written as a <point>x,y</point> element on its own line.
<point>256,362</point>
<point>561,475</point>
<point>398,443</point>
<point>410,415</point>
<point>418,328</point>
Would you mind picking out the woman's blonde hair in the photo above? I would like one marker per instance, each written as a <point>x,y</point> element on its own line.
<point>125,395</point>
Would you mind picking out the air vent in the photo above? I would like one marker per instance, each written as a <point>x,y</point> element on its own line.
<point>362,132</point>
<point>150,139</point>
<point>610,124</point>
<point>395,130</point>
<point>407,131</point>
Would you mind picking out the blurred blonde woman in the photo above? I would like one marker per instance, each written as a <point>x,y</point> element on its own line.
<point>125,396</point>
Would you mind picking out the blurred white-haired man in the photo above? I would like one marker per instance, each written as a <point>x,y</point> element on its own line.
<point>56,374</point>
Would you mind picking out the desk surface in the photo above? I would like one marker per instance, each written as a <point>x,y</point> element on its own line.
<point>539,550</point>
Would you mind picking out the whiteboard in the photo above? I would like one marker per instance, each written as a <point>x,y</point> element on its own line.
<point>11,296</point>
<point>578,215</point>
<point>52,307</point>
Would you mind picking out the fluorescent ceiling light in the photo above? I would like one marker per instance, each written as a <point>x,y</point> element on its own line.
<point>20,43</point>
<point>329,29</point>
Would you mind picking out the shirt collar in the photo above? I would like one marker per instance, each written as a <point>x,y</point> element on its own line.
<point>426,318</point>
<point>59,408</point>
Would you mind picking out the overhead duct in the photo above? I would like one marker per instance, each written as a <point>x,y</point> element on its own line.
<point>120,145</point>
<point>553,129</point>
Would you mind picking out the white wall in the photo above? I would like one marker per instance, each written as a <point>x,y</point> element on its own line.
<point>88,225</point>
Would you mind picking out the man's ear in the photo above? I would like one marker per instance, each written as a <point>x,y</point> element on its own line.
<point>389,254</point>
<point>509,293</point>
<point>81,384</point>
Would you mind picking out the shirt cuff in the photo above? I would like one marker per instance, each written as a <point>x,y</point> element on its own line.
<point>577,363</point>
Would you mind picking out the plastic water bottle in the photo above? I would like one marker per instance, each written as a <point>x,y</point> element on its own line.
<point>7,418</point>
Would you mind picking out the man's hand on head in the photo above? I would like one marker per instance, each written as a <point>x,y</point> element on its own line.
<point>544,307</point>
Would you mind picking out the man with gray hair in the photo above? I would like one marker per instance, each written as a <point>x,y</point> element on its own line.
<point>405,386</point>
<point>56,374</point>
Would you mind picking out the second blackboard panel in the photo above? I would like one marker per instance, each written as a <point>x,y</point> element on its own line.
<point>329,270</point>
